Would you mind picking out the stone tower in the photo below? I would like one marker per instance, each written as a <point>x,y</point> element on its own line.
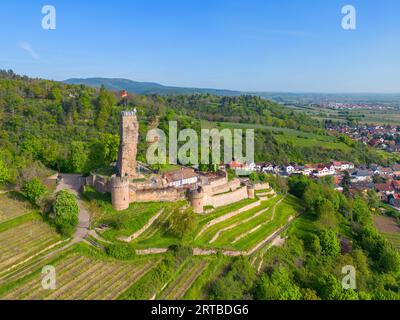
<point>251,191</point>
<point>196,198</point>
<point>129,136</point>
<point>120,196</point>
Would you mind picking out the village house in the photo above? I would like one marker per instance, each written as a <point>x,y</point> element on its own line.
<point>181,178</point>
<point>362,176</point>
<point>387,172</point>
<point>394,200</point>
<point>384,190</point>
<point>396,185</point>
<point>324,170</point>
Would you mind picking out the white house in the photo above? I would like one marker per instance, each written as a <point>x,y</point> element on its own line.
<point>181,178</point>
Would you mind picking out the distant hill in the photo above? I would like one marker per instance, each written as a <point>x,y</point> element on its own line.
<point>147,88</point>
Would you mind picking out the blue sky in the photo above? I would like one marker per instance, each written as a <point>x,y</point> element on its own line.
<point>255,45</point>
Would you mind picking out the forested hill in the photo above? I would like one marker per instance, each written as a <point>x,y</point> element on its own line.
<point>137,87</point>
<point>74,128</point>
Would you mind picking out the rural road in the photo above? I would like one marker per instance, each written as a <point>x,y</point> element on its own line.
<point>73,183</point>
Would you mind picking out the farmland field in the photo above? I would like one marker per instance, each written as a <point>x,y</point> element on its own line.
<point>23,241</point>
<point>389,228</point>
<point>83,278</point>
<point>184,281</point>
<point>298,138</point>
<point>12,207</point>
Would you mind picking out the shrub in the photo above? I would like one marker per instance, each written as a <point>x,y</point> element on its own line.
<point>121,251</point>
<point>33,190</point>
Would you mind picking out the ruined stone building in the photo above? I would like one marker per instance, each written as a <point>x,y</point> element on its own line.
<point>202,190</point>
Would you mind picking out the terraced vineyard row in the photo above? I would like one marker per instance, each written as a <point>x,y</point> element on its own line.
<point>11,208</point>
<point>83,278</point>
<point>208,235</point>
<point>23,241</point>
<point>230,233</point>
<point>288,209</point>
<point>393,238</point>
<point>186,278</point>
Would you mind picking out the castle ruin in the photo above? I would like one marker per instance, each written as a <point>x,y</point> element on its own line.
<point>207,190</point>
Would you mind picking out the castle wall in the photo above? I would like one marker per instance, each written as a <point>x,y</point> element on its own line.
<point>229,186</point>
<point>226,198</point>
<point>261,186</point>
<point>157,195</point>
<point>100,184</point>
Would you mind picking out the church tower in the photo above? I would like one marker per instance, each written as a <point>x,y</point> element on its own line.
<point>129,136</point>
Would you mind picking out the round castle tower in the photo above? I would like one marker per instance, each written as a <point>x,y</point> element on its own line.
<point>120,193</point>
<point>196,198</point>
<point>251,191</point>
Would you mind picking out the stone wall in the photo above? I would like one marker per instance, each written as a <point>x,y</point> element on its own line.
<point>226,198</point>
<point>100,184</point>
<point>261,186</point>
<point>229,186</point>
<point>157,195</point>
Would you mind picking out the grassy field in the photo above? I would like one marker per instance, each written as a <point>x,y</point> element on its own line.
<point>124,223</point>
<point>12,206</point>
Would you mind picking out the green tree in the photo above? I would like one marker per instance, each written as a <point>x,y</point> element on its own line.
<point>389,260</point>
<point>329,288</point>
<point>236,283</point>
<point>298,185</point>
<point>346,183</point>
<point>4,172</point>
<point>330,246</point>
<point>253,177</point>
<point>33,190</point>
<point>277,287</point>
<point>105,102</point>
<point>373,199</point>
<point>78,157</point>
<point>181,223</point>
<point>66,212</point>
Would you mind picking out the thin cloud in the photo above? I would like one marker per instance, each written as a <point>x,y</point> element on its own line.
<point>28,48</point>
